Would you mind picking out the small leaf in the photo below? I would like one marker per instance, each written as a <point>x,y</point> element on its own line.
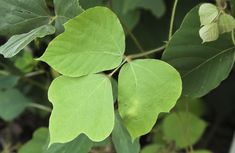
<point>202,151</point>
<point>153,148</point>
<point>226,23</point>
<point>12,104</point>
<point>17,42</point>
<point>40,140</point>
<point>92,42</point>
<point>21,16</point>
<point>8,81</point>
<point>66,10</point>
<point>187,130</point>
<point>81,105</point>
<point>157,7</point>
<point>25,62</point>
<point>38,143</point>
<point>122,139</point>
<point>143,92</point>
<point>208,13</point>
<point>209,32</point>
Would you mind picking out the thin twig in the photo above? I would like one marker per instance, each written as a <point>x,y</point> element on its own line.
<point>39,106</point>
<point>147,52</point>
<point>172,19</point>
<point>115,70</point>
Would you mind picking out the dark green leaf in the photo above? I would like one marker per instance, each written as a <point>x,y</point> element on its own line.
<point>202,66</point>
<point>122,139</point>
<point>65,10</point>
<point>21,16</point>
<point>12,104</point>
<point>17,42</point>
<point>8,81</point>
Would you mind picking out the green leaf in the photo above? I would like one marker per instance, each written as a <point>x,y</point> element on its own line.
<point>81,105</point>
<point>187,130</point>
<point>153,148</point>
<point>130,18</point>
<point>40,140</point>
<point>25,62</point>
<point>20,16</point>
<point>66,10</point>
<point>86,4</point>
<point>202,66</point>
<point>8,81</point>
<point>17,42</point>
<point>81,144</point>
<point>208,13</point>
<point>122,139</point>
<point>194,106</point>
<point>226,23</point>
<point>209,32</point>
<point>92,42</point>
<point>12,104</point>
<point>143,92</point>
<point>157,7</point>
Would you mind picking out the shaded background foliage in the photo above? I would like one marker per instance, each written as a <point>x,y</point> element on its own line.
<point>151,31</point>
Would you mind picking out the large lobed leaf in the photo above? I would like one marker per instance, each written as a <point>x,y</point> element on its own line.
<point>92,42</point>
<point>146,88</point>
<point>81,105</point>
<point>202,66</point>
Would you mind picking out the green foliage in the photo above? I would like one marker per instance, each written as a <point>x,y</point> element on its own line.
<point>20,16</point>
<point>65,10</point>
<point>12,104</point>
<point>122,139</point>
<point>102,50</point>
<point>187,130</point>
<point>18,42</point>
<point>85,59</point>
<point>140,99</point>
<point>197,61</point>
<point>39,144</point>
<point>83,98</point>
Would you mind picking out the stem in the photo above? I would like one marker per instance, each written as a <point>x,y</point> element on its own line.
<point>52,19</point>
<point>35,83</point>
<point>39,106</point>
<point>133,37</point>
<point>31,74</point>
<point>172,19</point>
<point>115,70</point>
<point>147,52</point>
<point>233,38</point>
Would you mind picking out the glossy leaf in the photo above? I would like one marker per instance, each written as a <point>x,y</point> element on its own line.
<point>122,139</point>
<point>143,92</point>
<point>226,23</point>
<point>66,10</point>
<point>187,130</point>
<point>12,104</point>
<point>202,66</point>
<point>17,42</point>
<point>19,16</point>
<point>81,105</point>
<point>208,13</point>
<point>209,32</point>
<point>92,42</point>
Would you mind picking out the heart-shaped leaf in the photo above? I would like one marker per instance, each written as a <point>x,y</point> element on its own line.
<point>92,42</point>
<point>81,105</point>
<point>146,88</point>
